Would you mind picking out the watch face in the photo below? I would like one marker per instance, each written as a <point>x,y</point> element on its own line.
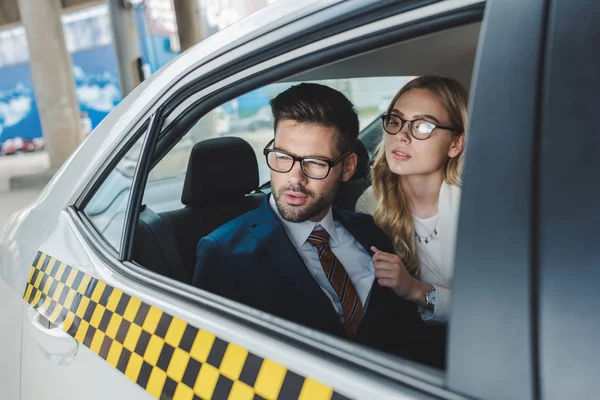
<point>431,297</point>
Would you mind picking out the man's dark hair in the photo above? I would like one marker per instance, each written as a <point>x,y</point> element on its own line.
<point>321,105</point>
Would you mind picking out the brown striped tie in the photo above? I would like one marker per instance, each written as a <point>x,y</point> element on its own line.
<point>340,281</point>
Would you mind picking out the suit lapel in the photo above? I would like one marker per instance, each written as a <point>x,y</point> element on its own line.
<point>286,263</point>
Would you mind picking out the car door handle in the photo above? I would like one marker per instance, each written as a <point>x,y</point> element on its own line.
<point>57,345</point>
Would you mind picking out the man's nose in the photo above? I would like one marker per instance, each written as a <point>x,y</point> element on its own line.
<point>296,175</point>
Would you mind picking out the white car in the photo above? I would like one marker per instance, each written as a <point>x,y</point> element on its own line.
<point>95,300</point>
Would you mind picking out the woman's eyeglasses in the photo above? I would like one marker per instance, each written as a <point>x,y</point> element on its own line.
<point>418,128</point>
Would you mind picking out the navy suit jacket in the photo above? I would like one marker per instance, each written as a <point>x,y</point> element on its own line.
<point>251,260</point>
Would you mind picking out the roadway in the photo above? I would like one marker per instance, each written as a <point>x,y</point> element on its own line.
<point>20,167</point>
<point>14,201</point>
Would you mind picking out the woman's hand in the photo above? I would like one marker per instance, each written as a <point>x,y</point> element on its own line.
<point>391,272</point>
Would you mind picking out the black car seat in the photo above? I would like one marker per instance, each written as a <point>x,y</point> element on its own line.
<point>350,191</point>
<point>220,180</point>
<point>362,166</point>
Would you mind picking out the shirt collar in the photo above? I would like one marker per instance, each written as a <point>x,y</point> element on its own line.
<point>299,232</point>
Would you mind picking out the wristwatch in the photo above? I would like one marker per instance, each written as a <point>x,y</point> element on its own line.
<point>430,299</point>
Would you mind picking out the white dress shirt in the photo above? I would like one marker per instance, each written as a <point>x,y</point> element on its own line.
<point>437,257</point>
<point>346,248</point>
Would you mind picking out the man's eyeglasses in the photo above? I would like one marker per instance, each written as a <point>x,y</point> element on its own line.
<point>312,167</point>
<point>418,128</point>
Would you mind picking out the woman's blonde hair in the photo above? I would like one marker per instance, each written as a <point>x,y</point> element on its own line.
<point>392,213</point>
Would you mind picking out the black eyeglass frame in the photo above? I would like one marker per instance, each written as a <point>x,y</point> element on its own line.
<point>330,163</point>
<point>410,122</point>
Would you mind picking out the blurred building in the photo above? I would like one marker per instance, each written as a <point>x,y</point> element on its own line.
<point>89,41</point>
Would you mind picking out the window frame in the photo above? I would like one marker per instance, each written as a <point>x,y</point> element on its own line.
<point>104,172</point>
<point>398,372</point>
<point>142,171</point>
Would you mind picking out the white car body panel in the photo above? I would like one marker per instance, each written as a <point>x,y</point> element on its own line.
<point>10,321</point>
<point>49,370</point>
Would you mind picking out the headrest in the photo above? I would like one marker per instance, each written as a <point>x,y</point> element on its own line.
<point>362,166</point>
<point>220,168</point>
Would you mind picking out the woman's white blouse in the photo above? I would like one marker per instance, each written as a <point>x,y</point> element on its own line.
<point>436,257</point>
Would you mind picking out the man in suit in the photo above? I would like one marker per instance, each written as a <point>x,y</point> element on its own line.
<point>299,258</point>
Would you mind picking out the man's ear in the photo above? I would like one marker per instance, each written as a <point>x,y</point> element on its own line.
<point>457,145</point>
<point>349,167</point>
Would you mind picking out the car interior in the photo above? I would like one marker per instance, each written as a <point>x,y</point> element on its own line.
<point>165,242</point>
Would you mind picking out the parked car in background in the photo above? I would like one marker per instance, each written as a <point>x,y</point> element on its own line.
<point>28,146</point>
<point>11,146</point>
<point>20,145</point>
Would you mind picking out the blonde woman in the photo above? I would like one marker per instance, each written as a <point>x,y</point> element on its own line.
<point>416,191</point>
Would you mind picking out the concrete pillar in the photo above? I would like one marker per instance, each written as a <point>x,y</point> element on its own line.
<point>189,23</point>
<point>191,31</point>
<point>126,42</point>
<point>53,80</point>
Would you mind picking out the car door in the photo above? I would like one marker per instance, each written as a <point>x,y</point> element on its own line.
<point>527,257</point>
<point>569,196</point>
<point>133,334</point>
<point>493,345</point>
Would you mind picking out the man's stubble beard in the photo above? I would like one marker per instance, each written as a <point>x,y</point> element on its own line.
<point>303,213</point>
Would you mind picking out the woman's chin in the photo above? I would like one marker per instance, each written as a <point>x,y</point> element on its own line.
<point>400,169</point>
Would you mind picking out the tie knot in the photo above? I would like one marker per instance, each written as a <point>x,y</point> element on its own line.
<point>318,238</point>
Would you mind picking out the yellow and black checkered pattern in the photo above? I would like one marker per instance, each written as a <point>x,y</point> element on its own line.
<point>163,354</point>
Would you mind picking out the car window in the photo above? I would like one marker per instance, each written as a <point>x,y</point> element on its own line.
<point>249,117</point>
<point>220,189</point>
<point>107,206</point>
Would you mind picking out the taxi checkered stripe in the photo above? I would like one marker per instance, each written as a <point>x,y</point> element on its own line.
<point>163,354</point>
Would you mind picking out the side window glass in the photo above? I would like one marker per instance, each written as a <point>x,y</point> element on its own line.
<point>106,209</point>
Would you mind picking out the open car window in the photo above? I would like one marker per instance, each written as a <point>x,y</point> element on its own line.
<point>186,197</point>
